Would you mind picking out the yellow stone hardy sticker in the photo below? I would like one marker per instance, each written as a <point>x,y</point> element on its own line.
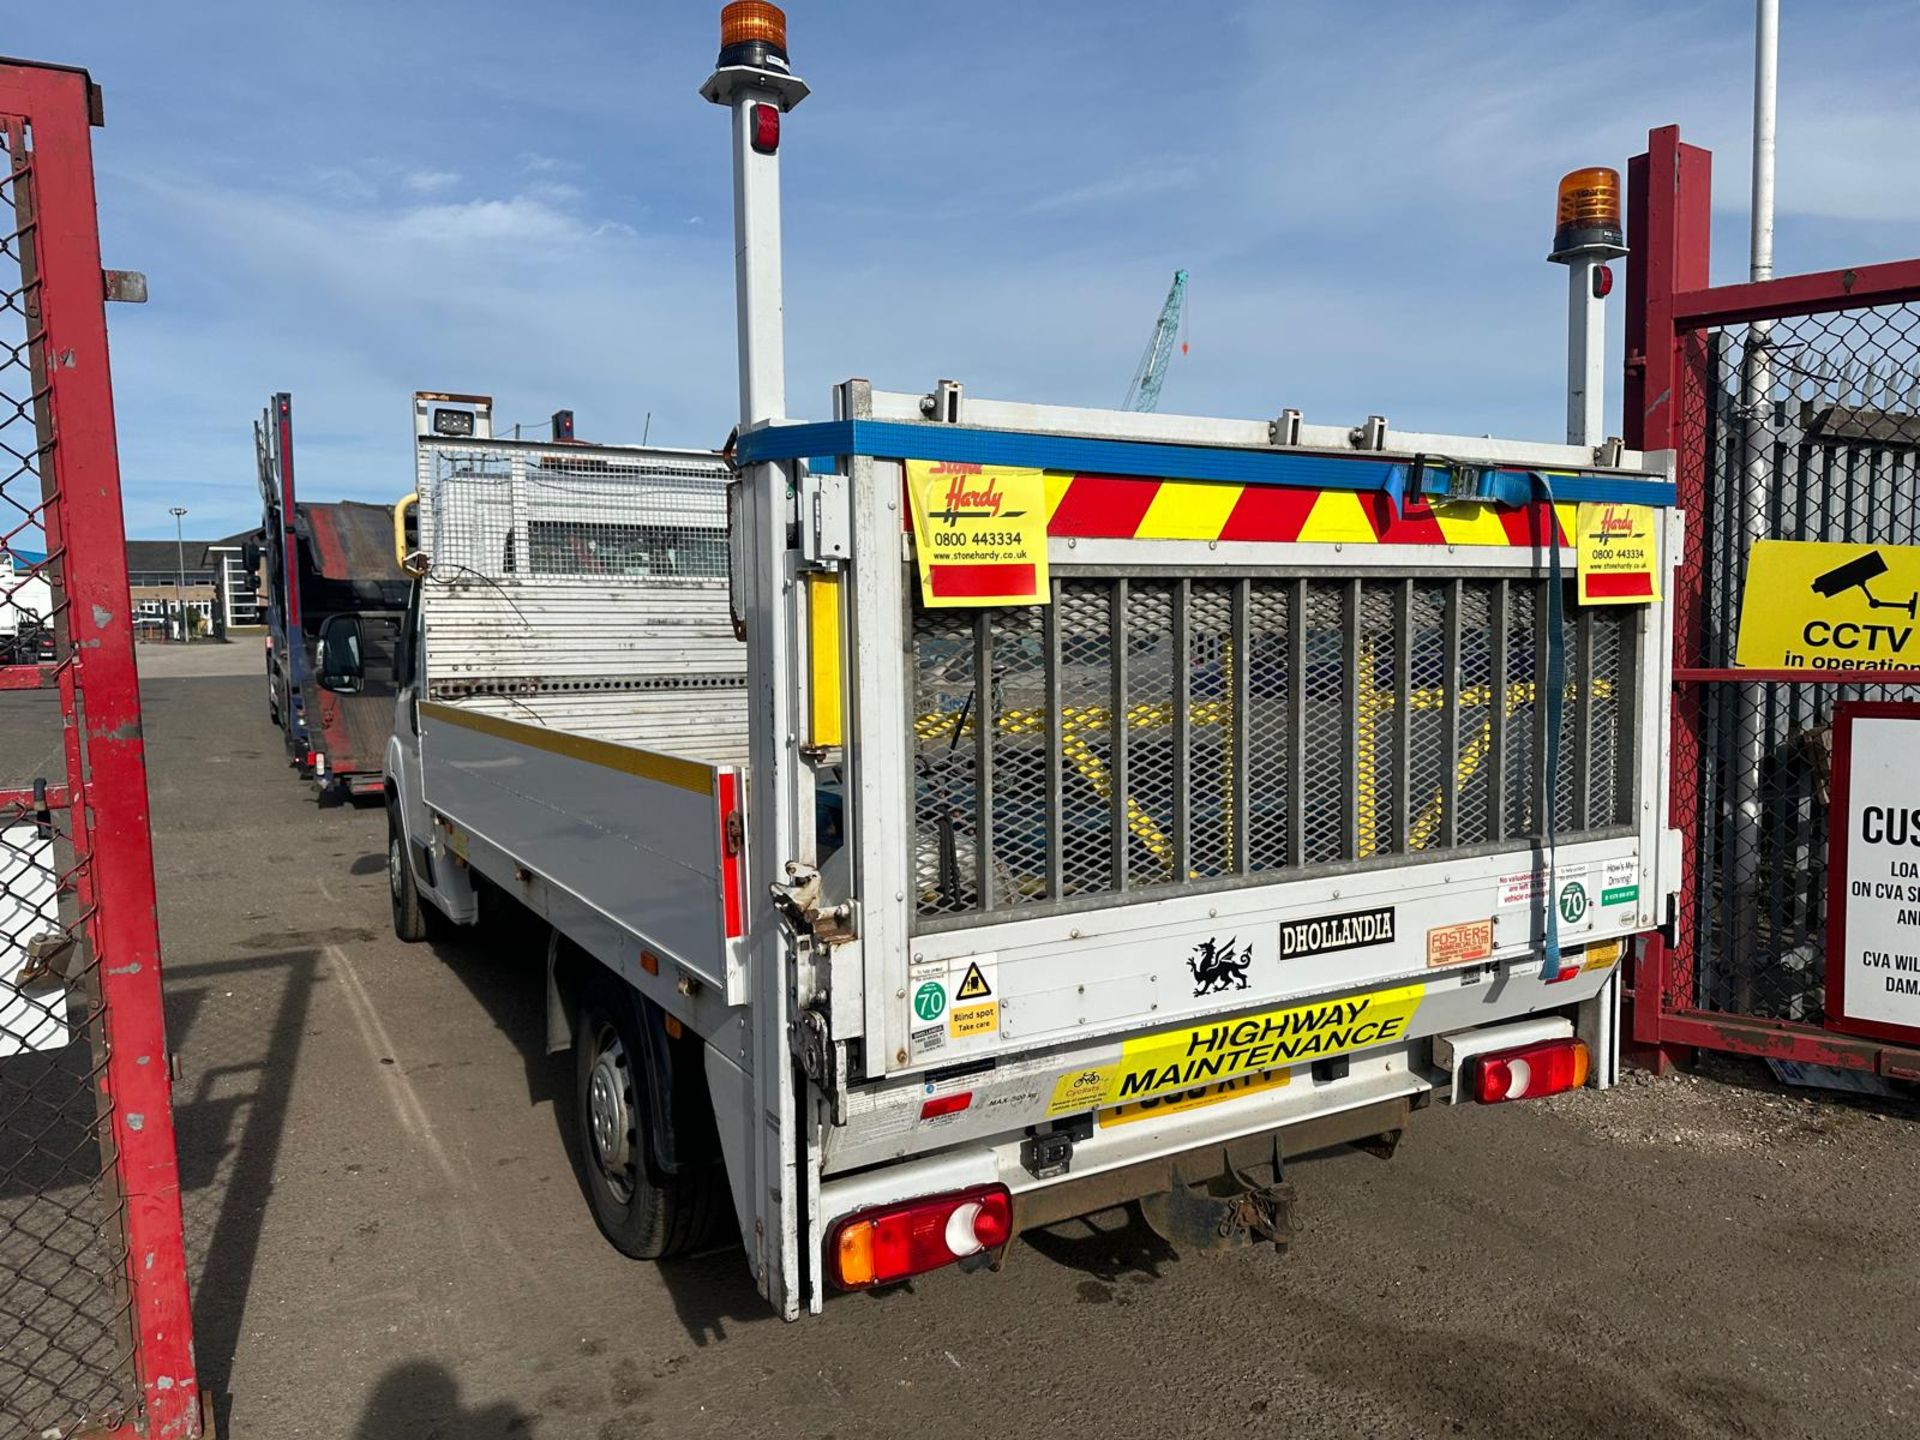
<point>1176,1060</point>
<point>1813,606</point>
<point>979,533</point>
<point>1618,560</point>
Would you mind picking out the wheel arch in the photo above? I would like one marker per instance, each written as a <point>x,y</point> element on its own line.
<point>681,1135</point>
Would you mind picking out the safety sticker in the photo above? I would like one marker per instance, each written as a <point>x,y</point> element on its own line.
<point>953,1000</point>
<point>1525,888</point>
<point>1615,559</point>
<point>968,1021</point>
<point>1815,606</point>
<point>1155,1106</point>
<point>1178,1060</point>
<point>1457,944</point>
<point>1574,901</point>
<point>930,1000</point>
<point>974,986</point>
<point>979,533</point>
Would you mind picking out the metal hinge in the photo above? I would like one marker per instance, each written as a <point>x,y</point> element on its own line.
<point>823,1062</point>
<point>798,902</point>
<point>129,287</point>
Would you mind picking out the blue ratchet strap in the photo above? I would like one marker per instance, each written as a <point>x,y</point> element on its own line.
<point>1518,488</point>
<point>1556,705</point>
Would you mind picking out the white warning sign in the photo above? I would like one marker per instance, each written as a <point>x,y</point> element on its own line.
<point>1874,964</point>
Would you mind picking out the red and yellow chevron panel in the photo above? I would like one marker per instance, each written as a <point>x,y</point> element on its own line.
<point>1123,507</point>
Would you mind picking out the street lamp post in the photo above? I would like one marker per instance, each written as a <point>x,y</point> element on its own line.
<point>180,571</point>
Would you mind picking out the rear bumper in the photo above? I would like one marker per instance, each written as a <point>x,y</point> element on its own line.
<point>1129,1160</point>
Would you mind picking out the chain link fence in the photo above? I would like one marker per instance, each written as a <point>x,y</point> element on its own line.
<point>1809,427</point>
<point>87,1170</point>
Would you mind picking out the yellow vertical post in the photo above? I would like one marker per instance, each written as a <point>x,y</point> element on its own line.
<point>825,706</point>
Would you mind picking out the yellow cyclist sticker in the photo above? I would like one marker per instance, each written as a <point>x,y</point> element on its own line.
<point>1223,1049</point>
<point>1618,562</point>
<point>1816,606</point>
<point>979,533</point>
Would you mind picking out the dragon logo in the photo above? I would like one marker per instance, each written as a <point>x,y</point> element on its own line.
<point>1218,967</point>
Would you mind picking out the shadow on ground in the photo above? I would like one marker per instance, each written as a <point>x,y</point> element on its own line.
<point>420,1400</point>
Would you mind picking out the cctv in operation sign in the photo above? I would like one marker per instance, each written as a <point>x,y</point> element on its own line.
<point>1873,843</point>
<point>1809,605</point>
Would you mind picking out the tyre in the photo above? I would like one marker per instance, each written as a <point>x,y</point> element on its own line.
<point>411,914</point>
<point>644,1214</point>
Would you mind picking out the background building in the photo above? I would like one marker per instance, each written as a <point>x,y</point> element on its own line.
<point>26,599</point>
<point>215,585</point>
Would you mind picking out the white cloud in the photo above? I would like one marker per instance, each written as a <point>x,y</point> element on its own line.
<point>431,182</point>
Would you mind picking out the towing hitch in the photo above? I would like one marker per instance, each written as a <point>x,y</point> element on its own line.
<point>1231,1210</point>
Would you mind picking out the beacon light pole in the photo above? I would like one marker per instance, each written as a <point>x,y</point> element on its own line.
<point>1586,235</point>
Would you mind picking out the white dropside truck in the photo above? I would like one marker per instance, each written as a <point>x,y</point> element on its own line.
<point>916,880</point>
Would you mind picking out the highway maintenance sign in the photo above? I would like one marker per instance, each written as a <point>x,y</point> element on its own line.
<point>1617,563</point>
<point>979,533</point>
<point>1810,605</point>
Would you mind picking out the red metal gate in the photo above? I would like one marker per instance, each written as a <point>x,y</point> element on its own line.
<point>1779,399</point>
<point>95,1334</point>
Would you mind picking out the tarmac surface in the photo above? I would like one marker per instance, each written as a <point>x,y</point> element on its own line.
<point>388,1242</point>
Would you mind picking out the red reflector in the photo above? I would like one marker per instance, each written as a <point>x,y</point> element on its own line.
<point>1527,1071</point>
<point>877,1247</point>
<point>765,123</point>
<point>937,1105</point>
<point>1602,282</point>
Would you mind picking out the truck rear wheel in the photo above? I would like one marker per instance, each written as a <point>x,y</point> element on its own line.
<point>410,913</point>
<point>644,1214</point>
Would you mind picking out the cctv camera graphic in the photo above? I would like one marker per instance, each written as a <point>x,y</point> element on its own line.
<point>1854,575</point>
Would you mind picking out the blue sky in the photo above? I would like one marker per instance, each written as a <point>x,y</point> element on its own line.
<point>355,200</point>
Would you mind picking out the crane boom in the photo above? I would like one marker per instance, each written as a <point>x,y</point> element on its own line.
<point>1144,392</point>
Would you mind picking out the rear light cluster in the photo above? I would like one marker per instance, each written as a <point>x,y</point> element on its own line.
<point>892,1242</point>
<point>1527,1071</point>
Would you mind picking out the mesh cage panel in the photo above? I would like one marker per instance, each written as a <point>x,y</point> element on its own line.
<point>1399,717</point>
<point>1426,719</point>
<point>1525,719</point>
<point>1567,799</point>
<point>66,1346</point>
<point>1215,807</point>
<point>1269,709</point>
<point>1478,694</point>
<point>944,695</point>
<point>1377,781</point>
<point>505,512</point>
<point>1323,753</point>
<point>1018,818</point>
<point>1082,746</point>
<point>1802,428</point>
<point>1153,731</point>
